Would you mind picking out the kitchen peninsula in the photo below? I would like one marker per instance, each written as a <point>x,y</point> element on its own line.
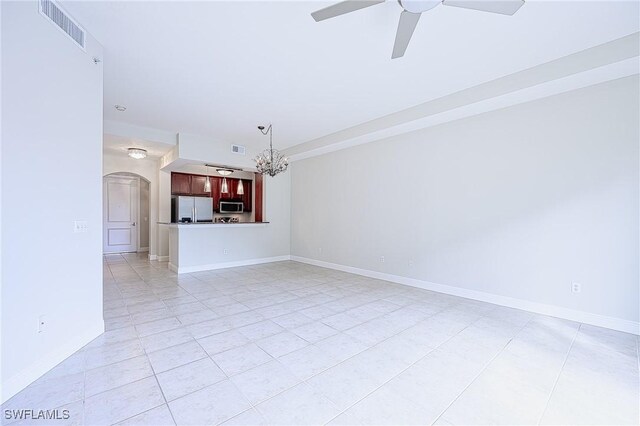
<point>220,238</point>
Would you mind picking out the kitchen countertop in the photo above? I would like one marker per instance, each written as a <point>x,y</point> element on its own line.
<point>211,225</point>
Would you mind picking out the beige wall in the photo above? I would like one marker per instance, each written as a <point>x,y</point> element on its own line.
<point>519,202</point>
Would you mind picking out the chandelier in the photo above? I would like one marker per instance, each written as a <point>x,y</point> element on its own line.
<point>271,161</point>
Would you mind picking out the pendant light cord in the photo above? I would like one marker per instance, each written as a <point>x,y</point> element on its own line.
<point>270,132</point>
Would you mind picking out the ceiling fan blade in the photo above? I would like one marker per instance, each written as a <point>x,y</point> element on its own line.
<point>406,26</point>
<point>504,7</point>
<point>342,8</point>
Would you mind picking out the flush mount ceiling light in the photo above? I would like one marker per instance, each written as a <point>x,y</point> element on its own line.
<point>224,172</point>
<point>271,161</point>
<point>137,153</point>
<point>120,108</point>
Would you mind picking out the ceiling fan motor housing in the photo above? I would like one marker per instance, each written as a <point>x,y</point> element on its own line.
<point>418,6</point>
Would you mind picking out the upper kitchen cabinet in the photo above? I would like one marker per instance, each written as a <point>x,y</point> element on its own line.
<point>180,184</point>
<point>187,184</point>
<point>247,198</point>
<point>215,192</point>
<point>197,185</point>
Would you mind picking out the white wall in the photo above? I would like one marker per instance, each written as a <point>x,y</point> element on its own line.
<point>203,149</point>
<point>517,202</point>
<point>164,213</point>
<point>145,215</point>
<point>51,176</point>
<point>148,168</point>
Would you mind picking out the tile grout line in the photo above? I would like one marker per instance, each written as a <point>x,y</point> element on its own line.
<point>339,331</point>
<point>482,370</point>
<point>403,370</point>
<point>336,296</point>
<point>555,383</point>
<point>212,360</point>
<point>155,376</point>
<point>152,369</point>
<point>277,359</point>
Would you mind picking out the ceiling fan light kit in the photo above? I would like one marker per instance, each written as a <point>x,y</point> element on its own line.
<point>412,10</point>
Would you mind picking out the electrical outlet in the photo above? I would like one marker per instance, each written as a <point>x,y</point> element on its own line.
<point>410,263</point>
<point>80,226</point>
<point>42,321</point>
<point>576,287</point>
<point>225,251</point>
<point>381,259</point>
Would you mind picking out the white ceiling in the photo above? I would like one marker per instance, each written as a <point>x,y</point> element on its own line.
<point>219,69</point>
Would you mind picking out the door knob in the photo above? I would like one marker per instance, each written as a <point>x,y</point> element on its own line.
<point>133,224</point>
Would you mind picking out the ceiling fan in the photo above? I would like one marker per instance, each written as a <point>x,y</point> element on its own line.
<point>412,9</point>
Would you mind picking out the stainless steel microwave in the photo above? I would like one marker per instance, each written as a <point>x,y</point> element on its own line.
<point>231,207</point>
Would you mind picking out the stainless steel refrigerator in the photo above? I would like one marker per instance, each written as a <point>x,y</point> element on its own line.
<point>191,209</point>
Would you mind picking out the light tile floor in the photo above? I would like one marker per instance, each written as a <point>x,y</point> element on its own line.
<point>288,343</point>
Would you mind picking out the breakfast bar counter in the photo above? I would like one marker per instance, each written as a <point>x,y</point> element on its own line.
<point>211,224</point>
<point>197,247</point>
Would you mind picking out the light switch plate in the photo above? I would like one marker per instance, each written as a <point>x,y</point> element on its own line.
<point>80,226</point>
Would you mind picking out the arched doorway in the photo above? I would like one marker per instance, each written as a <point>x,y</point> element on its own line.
<point>126,208</point>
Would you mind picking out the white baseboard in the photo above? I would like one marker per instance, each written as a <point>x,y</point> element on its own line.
<point>24,378</point>
<point>511,302</point>
<point>153,257</point>
<point>222,265</point>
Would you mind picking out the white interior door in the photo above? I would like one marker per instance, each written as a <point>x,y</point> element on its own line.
<point>120,214</point>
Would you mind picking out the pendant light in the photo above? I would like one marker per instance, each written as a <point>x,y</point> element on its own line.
<point>240,190</point>
<point>225,185</point>
<point>207,183</point>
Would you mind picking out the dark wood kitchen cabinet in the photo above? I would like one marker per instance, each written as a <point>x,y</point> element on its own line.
<point>197,185</point>
<point>215,193</point>
<point>188,184</point>
<point>247,198</point>
<point>180,184</point>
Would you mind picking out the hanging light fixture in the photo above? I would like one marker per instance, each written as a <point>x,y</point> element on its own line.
<point>240,190</point>
<point>225,185</point>
<point>137,153</point>
<point>207,183</point>
<point>271,161</point>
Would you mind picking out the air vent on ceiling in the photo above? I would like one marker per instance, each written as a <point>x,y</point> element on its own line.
<point>238,149</point>
<point>52,11</point>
